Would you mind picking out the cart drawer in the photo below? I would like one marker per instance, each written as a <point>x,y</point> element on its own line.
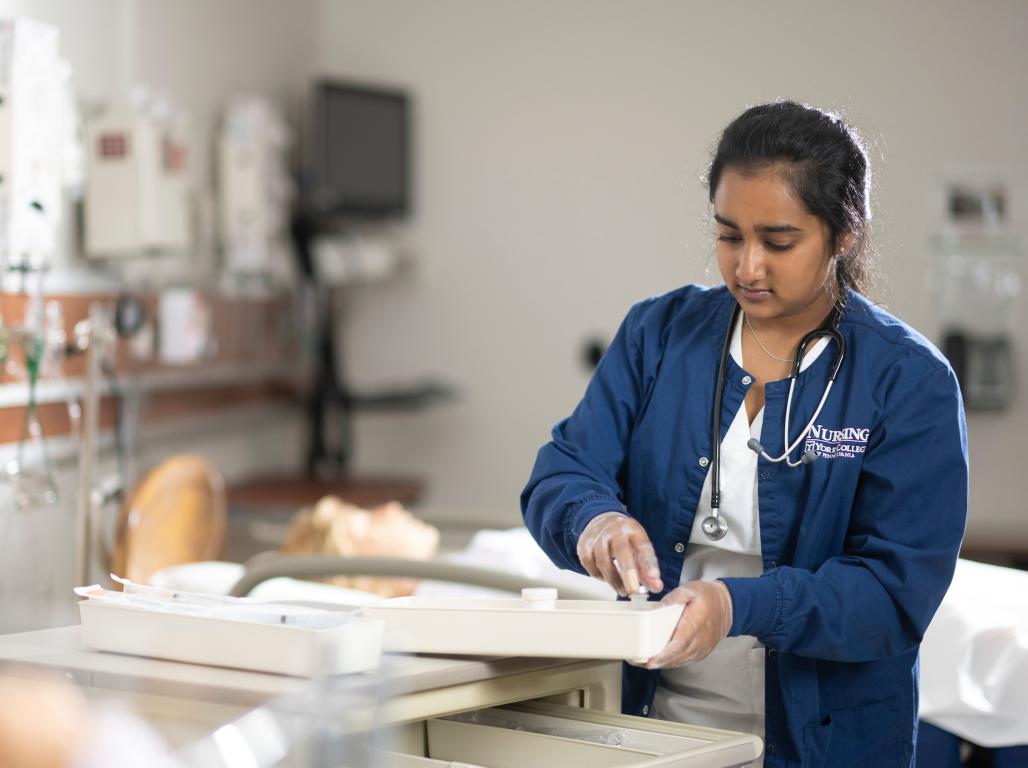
<point>541,734</point>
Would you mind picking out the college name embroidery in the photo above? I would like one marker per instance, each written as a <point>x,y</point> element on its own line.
<point>845,443</point>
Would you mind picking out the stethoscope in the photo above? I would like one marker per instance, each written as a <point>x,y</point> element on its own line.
<point>713,525</point>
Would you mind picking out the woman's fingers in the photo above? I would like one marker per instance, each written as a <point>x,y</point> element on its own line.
<point>677,596</point>
<point>665,657</point>
<point>625,554</point>
<point>679,649</point>
<point>589,562</point>
<point>614,547</point>
<point>605,561</point>
<point>705,621</point>
<point>649,569</point>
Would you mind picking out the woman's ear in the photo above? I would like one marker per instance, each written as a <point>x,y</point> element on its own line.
<point>844,244</point>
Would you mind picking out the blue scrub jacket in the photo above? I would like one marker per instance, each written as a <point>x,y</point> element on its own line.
<point>859,547</point>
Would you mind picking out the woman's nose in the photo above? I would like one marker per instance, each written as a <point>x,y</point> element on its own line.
<point>752,267</point>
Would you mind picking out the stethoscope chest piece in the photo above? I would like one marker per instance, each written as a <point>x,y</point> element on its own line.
<point>714,527</point>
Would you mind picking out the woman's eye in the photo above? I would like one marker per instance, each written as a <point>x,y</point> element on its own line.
<point>729,238</point>
<point>779,247</point>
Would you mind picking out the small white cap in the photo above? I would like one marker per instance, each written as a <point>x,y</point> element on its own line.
<point>640,599</point>
<point>538,593</point>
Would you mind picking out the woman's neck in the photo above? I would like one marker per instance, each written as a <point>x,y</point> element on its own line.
<point>785,332</point>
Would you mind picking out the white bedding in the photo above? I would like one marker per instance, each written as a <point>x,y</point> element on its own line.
<point>974,658</point>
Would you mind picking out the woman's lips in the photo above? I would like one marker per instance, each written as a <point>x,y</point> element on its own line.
<point>754,294</point>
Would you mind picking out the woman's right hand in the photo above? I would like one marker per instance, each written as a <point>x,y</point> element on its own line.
<point>616,536</point>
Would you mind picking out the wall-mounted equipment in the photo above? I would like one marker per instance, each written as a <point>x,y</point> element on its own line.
<point>357,179</point>
<point>984,366</point>
<point>254,189</point>
<point>33,121</point>
<point>977,286</point>
<point>137,187</point>
<point>359,160</point>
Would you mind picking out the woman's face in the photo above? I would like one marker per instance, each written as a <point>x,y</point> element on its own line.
<point>773,254</point>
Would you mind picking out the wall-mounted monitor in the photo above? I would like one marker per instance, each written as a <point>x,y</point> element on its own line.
<point>360,159</point>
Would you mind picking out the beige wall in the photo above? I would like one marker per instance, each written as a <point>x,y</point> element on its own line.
<point>560,146</point>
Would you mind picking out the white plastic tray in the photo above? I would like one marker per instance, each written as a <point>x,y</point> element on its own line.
<point>588,629</point>
<point>354,646</point>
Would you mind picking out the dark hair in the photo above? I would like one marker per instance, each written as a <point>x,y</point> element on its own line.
<point>825,162</point>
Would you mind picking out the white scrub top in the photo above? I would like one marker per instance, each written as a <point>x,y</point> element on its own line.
<point>726,689</point>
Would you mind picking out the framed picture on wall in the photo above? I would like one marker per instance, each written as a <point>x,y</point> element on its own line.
<point>971,201</point>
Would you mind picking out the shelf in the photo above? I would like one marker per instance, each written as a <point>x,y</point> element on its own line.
<point>292,492</point>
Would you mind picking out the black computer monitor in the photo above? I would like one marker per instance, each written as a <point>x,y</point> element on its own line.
<point>360,158</point>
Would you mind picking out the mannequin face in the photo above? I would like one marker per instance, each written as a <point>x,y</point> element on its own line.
<point>773,254</point>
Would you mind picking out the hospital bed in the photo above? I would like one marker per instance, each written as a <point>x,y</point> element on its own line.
<point>974,669</point>
<point>320,566</point>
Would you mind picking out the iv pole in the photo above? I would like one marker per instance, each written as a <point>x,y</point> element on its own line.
<point>93,336</point>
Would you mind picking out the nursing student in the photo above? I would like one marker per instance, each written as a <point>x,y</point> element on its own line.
<point>779,455</point>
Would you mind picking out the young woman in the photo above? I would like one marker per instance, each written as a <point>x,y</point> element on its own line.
<point>779,455</point>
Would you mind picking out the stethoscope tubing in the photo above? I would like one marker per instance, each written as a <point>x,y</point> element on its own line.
<point>806,430</point>
<point>714,526</point>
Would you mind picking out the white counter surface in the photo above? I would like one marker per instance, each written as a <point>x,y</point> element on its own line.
<point>413,687</point>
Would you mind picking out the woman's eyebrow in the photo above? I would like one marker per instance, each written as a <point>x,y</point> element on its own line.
<point>760,227</point>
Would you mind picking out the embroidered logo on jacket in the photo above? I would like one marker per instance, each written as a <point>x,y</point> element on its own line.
<point>845,443</point>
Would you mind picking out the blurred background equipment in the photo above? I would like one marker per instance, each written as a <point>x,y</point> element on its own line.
<point>137,189</point>
<point>360,151</point>
<point>34,115</point>
<point>978,285</point>
<point>254,189</point>
<point>31,471</point>
<point>176,515</point>
<point>357,180</point>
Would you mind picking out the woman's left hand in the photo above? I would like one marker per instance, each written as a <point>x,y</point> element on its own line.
<point>705,621</point>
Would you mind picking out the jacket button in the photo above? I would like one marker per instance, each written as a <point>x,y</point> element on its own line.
<point>704,461</point>
<point>770,748</point>
<point>772,653</point>
<point>679,547</point>
<point>765,474</point>
<point>747,380</point>
<point>646,709</point>
<point>771,565</point>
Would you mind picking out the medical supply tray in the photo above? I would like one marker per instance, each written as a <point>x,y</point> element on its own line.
<point>354,645</point>
<point>593,629</point>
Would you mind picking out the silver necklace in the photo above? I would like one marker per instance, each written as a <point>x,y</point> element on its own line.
<point>767,351</point>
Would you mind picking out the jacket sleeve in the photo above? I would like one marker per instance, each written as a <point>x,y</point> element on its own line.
<point>876,598</point>
<point>577,474</point>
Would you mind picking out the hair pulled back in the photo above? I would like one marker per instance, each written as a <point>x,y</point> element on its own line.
<point>825,163</point>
